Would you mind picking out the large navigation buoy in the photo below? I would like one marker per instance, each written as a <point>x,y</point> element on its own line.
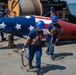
<point>25,7</point>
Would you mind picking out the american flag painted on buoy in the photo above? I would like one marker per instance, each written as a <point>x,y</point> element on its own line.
<point>22,25</point>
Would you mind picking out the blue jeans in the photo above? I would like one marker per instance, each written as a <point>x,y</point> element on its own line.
<point>50,42</point>
<point>32,51</point>
<point>2,35</point>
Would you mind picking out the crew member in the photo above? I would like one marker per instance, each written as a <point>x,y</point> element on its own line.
<point>54,31</point>
<point>6,12</point>
<point>51,12</point>
<point>34,45</point>
<point>2,15</point>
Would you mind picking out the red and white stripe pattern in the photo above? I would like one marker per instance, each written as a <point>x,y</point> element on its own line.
<point>46,22</point>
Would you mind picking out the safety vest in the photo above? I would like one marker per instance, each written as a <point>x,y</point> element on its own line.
<point>37,40</point>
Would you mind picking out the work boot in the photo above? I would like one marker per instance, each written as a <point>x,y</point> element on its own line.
<point>3,39</point>
<point>39,71</point>
<point>30,65</point>
<point>47,52</point>
<point>52,56</point>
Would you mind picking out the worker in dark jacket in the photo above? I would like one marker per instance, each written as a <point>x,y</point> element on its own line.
<point>6,12</point>
<point>51,12</point>
<point>34,45</point>
<point>54,32</point>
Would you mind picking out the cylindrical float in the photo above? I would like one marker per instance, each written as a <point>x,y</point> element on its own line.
<point>22,25</point>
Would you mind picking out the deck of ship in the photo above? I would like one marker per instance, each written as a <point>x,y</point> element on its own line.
<point>65,63</point>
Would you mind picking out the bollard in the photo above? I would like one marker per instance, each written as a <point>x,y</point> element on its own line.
<point>10,41</point>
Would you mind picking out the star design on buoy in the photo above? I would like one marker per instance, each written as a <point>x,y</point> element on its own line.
<point>27,17</point>
<point>11,16</point>
<point>31,27</point>
<point>18,26</point>
<point>24,36</point>
<point>2,25</point>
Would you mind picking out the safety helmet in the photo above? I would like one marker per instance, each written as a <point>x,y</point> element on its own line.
<point>2,9</point>
<point>54,18</point>
<point>6,10</point>
<point>40,24</point>
<point>51,8</point>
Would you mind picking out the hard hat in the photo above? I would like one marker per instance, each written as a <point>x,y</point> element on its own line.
<point>51,8</point>
<point>2,9</point>
<point>6,10</point>
<point>54,18</point>
<point>40,24</point>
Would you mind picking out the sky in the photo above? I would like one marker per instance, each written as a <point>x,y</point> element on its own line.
<point>71,1</point>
